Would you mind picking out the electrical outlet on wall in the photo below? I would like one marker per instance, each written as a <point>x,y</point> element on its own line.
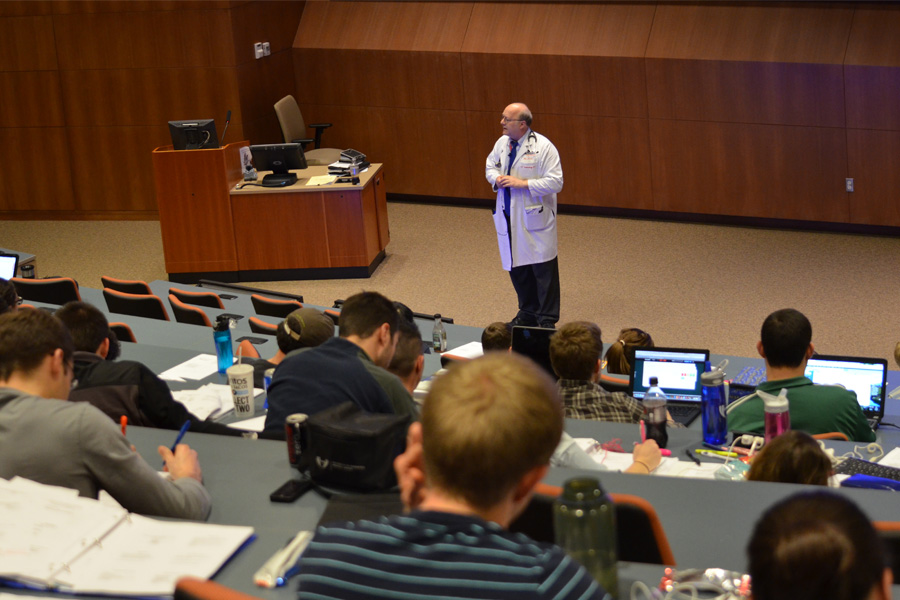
<point>258,51</point>
<point>267,48</point>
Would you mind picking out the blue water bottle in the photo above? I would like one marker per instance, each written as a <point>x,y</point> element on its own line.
<point>714,400</point>
<point>222,338</point>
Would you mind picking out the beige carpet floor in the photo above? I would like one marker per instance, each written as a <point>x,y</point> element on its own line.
<point>688,285</point>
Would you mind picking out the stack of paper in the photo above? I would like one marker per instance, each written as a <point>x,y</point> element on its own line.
<point>54,539</point>
<point>210,401</point>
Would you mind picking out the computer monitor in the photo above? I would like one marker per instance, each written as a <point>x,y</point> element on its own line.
<point>280,159</point>
<point>194,135</point>
<point>8,264</point>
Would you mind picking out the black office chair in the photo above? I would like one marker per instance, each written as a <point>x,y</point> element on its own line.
<point>185,313</point>
<point>208,299</point>
<point>138,305</point>
<point>54,290</point>
<point>129,286</point>
<point>639,533</point>
<point>271,307</point>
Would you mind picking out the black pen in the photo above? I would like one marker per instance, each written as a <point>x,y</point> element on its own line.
<point>691,456</point>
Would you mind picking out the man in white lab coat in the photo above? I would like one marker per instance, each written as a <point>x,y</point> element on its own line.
<point>525,171</point>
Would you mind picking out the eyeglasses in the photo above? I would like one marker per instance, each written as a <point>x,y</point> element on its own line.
<point>19,300</point>
<point>505,119</point>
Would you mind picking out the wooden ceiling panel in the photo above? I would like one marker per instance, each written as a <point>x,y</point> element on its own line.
<point>106,6</point>
<point>768,171</point>
<point>574,85</point>
<point>412,26</point>
<point>560,29</point>
<point>148,97</point>
<point>751,32</point>
<point>746,92</point>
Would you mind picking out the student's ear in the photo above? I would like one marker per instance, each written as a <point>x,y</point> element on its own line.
<point>103,350</point>
<point>58,364</point>
<point>884,590</point>
<point>384,334</point>
<point>528,481</point>
<point>759,348</point>
<point>419,367</point>
<point>810,351</point>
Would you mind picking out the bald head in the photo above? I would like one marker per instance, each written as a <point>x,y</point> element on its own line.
<point>516,120</point>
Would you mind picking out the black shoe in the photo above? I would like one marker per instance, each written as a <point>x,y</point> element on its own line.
<point>547,325</point>
<point>520,322</point>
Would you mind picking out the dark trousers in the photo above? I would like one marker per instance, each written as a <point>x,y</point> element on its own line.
<point>537,287</point>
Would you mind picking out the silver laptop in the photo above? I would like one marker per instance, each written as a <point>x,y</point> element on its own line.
<point>865,376</point>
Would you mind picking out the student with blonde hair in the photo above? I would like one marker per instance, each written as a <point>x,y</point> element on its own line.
<point>488,429</point>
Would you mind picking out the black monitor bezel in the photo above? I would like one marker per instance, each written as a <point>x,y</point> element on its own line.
<point>179,131</point>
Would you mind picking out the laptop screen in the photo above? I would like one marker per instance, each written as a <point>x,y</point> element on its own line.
<point>677,369</point>
<point>8,265</point>
<point>865,376</point>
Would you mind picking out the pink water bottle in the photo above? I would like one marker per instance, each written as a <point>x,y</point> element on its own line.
<point>778,416</point>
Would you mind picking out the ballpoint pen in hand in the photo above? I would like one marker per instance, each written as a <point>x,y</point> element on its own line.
<point>181,432</point>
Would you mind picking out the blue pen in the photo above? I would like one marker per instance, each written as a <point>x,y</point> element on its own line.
<point>184,428</point>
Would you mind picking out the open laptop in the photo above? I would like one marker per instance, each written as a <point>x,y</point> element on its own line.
<point>678,371</point>
<point>865,376</point>
<point>8,265</point>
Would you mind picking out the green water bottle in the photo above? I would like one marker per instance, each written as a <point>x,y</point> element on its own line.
<point>584,521</point>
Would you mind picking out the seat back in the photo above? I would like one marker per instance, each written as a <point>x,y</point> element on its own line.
<point>188,314</point>
<point>611,383</point>
<point>639,533</point>
<point>123,332</point>
<point>208,299</point>
<point>832,435</point>
<point>273,308</point>
<point>191,588</point>
<point>291,119</point>
<point>54,290</point>
<point>248,350</point>
<point>138,305</point>
<point>129,286</point>
<point>260,326</point>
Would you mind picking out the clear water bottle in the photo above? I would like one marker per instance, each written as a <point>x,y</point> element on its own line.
<point>655,413</point>
<point>222,339</point>
<point>777,415</point>
<point>714,399</point>
<point>584,523</point>
<point>439,335</point>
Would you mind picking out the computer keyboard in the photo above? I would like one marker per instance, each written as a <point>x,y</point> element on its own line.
<point>683,413</point>
<point>751,376</point>
<point>854,466</point>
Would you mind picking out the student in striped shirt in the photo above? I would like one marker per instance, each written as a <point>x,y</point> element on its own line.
<point>488,429</point>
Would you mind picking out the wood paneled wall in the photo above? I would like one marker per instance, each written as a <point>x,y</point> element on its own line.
<point>744,109</point>
<point>87,89</point>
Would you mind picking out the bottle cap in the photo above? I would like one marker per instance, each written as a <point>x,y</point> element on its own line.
<point>654,381</point>
<point>437,316</point>
<point>581,489</point>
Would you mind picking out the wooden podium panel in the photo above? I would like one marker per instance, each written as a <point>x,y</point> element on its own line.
<point>195,210</point>
<point>303,232</point>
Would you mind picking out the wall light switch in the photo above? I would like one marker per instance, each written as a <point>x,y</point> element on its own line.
<point>849,184</point>
<point>267,48</point>
<point>258,50</point>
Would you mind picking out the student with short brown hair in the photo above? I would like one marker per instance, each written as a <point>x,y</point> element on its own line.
<point>792,457</point>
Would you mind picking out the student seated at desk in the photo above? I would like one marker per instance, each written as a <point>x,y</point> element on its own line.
<point>488,429</point>
<point>125,387</point>
<point>74,445</point>
<point>575,351</point>
<point>303,328</point>
<point>817,545</point>
<point>497,336</point>
<point>9,298</point>
<point>349,367</point>
<point>786,345</point>
<point>408,362</point>
<point>792,457</point>
<point>617,355</point>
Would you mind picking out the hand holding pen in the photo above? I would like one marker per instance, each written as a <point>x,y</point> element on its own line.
<point>180,460</point>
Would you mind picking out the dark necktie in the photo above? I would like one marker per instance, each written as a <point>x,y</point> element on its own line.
<point>506,191</point>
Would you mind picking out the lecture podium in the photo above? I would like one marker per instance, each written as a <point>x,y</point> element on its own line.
<point>214,228</point>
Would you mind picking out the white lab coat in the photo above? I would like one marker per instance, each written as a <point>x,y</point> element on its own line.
<point>532,211</point>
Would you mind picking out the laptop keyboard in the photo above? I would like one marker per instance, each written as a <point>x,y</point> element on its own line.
<point>854,466</point>
<point>683,413</point>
